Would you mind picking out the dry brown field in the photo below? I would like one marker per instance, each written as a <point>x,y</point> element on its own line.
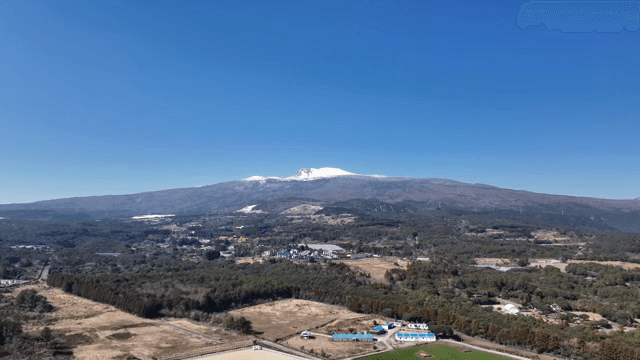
<point>493,261</point>
<point>562,266</point>
<point>250,355</point>
<point>358,324</point>
<point>284,320</point>
<point>280,319</point>
<point>248,260</point>
<point>332,349</point>
<point>376,267</point>
<point>103,332</point>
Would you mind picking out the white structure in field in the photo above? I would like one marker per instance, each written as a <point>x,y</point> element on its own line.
<point>420,326</point>
<point>422,337</point>
<point>511,309</point>
<point>326,247</point>
<point>12,281</point>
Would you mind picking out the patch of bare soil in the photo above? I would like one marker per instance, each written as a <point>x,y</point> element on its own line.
<point>339,349</point>
<point>548,262</point>
<point>562,266</point>
<point>493,261</point>
<point>102,332</point>
<point>376,267</point>
<point>355,325</point>
<point>249,355</point>
<point>332,349</point>
<point>247,260</point>
<point>624,265</point>
<point>120,335</point>
<point>424,355</point>
<point>280,319</point>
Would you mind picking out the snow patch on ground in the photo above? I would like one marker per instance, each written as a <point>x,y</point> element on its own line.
<point>310,174</point>
<point>249,210</point>
<point>303,209</point>
<point>150,217</point>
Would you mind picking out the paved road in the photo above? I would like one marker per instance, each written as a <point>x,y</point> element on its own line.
<point>45,273</point>
<point>289,350</point>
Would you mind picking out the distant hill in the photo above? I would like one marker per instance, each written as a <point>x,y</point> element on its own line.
<point>341,191</point>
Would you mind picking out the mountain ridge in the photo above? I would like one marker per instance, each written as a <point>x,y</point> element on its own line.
<point>431,194</point>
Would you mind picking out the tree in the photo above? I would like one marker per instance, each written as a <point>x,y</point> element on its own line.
<point>46,335</point>
<point>211,255</point>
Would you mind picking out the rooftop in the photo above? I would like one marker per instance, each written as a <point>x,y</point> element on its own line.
<point>327,247</point>
<point>353,336</point>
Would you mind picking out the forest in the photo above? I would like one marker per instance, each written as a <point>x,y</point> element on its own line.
<point>173,268</point>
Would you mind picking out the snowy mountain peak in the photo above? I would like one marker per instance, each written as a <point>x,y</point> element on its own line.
<point>313,173</point>
<point>310,174</point>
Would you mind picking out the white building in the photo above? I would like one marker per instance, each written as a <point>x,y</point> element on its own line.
<point>511,309</point>
<point>326,247</point>
<point>421,337</point>
<point>421,326</point>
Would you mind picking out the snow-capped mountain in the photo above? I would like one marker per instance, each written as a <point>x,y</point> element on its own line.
<point>310,174</point>
<point>338,191</point>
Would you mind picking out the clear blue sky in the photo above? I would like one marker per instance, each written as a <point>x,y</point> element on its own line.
<point>115,97</point>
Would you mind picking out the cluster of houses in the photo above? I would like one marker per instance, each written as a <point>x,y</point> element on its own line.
<point>426,336</point>
<point>295,254</point>
<point>315,251</point>
<point>9,282</point>
<point>31,247</point>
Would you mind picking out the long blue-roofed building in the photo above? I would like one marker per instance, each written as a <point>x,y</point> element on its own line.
<point>406,336</point>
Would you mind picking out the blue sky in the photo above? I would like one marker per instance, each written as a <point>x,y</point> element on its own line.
<point>120,97</point>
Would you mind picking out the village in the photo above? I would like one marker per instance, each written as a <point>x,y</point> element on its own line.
<point>417,332</point>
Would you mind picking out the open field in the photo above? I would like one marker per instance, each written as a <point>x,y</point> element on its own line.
<point>557,263</point>
<point>437,351</point>
<point>376,267</point>
<point>280,319</point>
<point>248,260</point>
<point>358,324</point>
<point>339,349</point>
<point>332,349</point>
<point>286,319</point>
<point>250,355</point>
<point>624,265</point>
<point>104,332</point>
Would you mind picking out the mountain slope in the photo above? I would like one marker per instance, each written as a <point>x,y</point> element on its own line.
<point>423,194</point>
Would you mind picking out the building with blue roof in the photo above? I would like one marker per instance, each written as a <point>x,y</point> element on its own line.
<point>389,325</point>
<point>352,337</point>
<point>423,337</point>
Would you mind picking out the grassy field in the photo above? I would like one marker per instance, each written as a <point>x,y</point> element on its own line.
<point>439,352</point>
